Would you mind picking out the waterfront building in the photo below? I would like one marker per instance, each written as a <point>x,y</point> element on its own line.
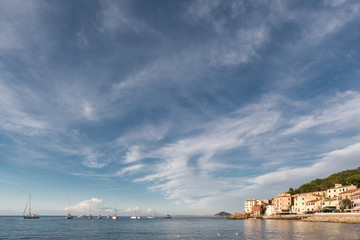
<point>332,203</point>
<point>282,202</point>
<point>257,210</point>
<point>249,204</point>
<point>313,205</point>
<point>300,201</point>
<point>347,194</point>
<point>270,210</point>
<point>355,198</point>
<point>335,191</point>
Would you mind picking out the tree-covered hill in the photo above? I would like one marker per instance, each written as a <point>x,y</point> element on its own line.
<point>345,178</point>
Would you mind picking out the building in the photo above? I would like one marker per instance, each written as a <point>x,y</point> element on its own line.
<point>355,198</point>
<point>335,191</point>
<point>257,210</point>
<point>270,210</point>
<point>313,205</point>
<point>282,202</point>
<point>330,204</point>
<point>300,201</point>
<point>250,203</point>
<point>347,194</point>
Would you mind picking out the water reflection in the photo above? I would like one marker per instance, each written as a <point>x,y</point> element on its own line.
<point>288,229</point>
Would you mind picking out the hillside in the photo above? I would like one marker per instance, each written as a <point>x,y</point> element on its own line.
<point>345,178</point>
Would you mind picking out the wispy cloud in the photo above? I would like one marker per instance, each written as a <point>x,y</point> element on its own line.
<point>341,112</point>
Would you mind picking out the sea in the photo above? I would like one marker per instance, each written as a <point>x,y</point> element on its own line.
<point>49,227</point>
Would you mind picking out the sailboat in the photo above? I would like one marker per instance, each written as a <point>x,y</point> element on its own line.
<point>115,217</point>
<point>90,216</point>
<point>135,217</point>
<point>99,217</point>
<point>29,216</point>
<point>69,216</point>
<point>167,215</point>
<point>152,216</point>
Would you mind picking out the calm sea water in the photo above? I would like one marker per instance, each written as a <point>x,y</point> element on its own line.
<point>160,228</point>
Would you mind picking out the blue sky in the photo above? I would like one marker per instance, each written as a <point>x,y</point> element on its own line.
<point>201,104</point>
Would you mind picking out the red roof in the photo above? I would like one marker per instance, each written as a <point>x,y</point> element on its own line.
<point>316,200</point>
<point>256,208</point>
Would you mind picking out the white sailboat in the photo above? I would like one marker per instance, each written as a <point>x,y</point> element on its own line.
<point>152,216</point>
<point>29,215</point>
<point>135,217</point>
<point>69,216</point>
<point>167,215</point>
<point>115,217</point>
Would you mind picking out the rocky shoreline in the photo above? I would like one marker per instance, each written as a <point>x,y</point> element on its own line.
<point>317,217</point>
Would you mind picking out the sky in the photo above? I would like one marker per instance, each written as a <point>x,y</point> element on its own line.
<point>198,104</point>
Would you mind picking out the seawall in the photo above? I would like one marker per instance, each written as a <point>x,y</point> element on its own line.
<point>334,217</point>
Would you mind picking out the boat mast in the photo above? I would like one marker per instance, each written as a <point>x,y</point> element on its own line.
<point>30,205</point>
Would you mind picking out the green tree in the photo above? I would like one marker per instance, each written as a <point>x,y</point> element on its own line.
<point>345,204</point>
<point>354,179</point>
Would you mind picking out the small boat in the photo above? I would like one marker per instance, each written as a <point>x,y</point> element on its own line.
<point>152,216</point>
<point>69,216</point>
<point>99,217</point>
<point>115,217</point>
<point>82,216</point>
<point>29,215</point>
<point>135,217</point>
<point>167,216</point>
<point>108,216</point>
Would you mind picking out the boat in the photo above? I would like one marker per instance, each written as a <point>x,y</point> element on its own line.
<point>69,216</point>
<point>115,217</point>
<point>108,216</point>
<point>99,217</point>
<point>83,216</point>
<point>29,215</point>
<point>90,216</point>
<point>135,217</point>
<point>152,216</point>
<point>167,216</point>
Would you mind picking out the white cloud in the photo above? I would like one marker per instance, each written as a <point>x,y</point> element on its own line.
<point>133,155</point>
<point>340,113</point>
<point>130,170</point>
<point>93,203</point>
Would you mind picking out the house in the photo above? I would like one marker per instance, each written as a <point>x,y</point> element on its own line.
<point>335,191</point>
<point>331,204</point>
<point>269,210</point>
<point>257,210</point>
<point>300,201</point>
<point>313,205</point>
<point>250,203</point>
<point>347,194</point>
<point>355,198</point>
<point>282,202</point>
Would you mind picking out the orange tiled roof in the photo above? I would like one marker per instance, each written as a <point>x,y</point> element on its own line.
<point>256,208</point>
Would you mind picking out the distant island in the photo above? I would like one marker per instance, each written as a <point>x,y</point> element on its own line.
<point>222,214</point>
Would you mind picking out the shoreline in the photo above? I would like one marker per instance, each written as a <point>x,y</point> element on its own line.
<point>316,217</point>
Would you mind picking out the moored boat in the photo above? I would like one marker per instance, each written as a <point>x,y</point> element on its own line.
<point>29,215</point>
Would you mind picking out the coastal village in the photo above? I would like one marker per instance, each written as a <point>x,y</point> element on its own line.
<point>338,199</point>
